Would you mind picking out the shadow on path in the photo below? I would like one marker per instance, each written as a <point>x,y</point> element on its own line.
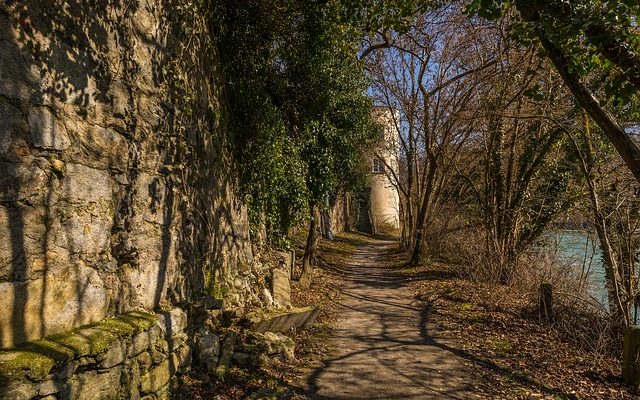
<point>385,347</point>
<point>380,351</point>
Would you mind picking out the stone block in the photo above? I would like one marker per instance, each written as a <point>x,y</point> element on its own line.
<point>19,391</point>
<point>67,370</point>
<point>143,340</point>
<point>281,287</point>
<point>10,122</point>
<point>207,303</point>
<point>18,78</point>
<point>119,94</point>
<point>115,355</point>
<point>159,376</point>
<point>173,322</point>
<point>47,131</point>
<point>92,385</point>
<point>25,181</point>
<point>282,321</point>
<point>144,360</point>
<point>287,260</point>
<point>48,387</point>
<point>83,184</point>
<point>226,353</point>
<point>184,357</point>
<point>208,348</point>
<point>59,301</point>
<point>97,147</point>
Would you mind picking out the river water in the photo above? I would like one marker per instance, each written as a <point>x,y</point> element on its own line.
<point>579,250</point>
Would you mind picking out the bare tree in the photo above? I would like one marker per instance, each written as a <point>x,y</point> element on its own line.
<point>430,76</point>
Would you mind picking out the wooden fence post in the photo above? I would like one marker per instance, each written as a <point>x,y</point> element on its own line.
<point>545,302</point>
<point>630,361</point>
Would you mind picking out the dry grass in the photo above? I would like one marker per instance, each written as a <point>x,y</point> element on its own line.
<point>516,356</point>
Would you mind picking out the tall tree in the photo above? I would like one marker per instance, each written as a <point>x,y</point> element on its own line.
<point>583,37</point>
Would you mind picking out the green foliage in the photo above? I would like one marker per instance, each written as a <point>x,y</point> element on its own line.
<point>371,15</point>
<point>298,106</point>
<point>599,37</point>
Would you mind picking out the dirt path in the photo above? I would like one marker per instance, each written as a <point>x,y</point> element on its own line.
<point>383,344</point>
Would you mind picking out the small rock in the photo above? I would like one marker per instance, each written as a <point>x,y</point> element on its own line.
<point>57,165</point>
<point>173,322</point>
<point>67,370</point>
<point>208,303</point>
<point>208,347</point>
<point>266,297</point>
<point>20,391</point>
<point>115,355</point>
<point>47,388</point>
<point>242,359</point>
<point>226,353</point>
<point>144,360</point>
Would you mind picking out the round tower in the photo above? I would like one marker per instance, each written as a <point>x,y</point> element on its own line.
<point>385,201</point>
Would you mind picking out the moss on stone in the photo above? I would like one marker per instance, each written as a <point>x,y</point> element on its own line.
<point>36,359</point>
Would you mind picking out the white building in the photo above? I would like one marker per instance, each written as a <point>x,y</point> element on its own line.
<point>385,201</point>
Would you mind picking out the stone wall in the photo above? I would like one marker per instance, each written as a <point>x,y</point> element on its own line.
<point>343,213</point>
<point>135,355</point>
<point>116,183</point>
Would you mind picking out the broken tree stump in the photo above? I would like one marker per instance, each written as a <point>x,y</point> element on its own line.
<point>630,356</point>
<point>545,302</point>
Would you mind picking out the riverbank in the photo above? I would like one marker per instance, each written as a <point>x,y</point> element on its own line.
<point>515,355</point>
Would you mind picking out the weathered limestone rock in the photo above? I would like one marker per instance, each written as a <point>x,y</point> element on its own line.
<point>281,321</point>
<point>48,387</point>
<point>267,298</point>
<point>10,122</point>
<point>273,345</point>
<point>85,185</point>
<point>281,287</point>
<point>19,391</point>
<point>173,322</point>
<point>50,304</point>
<point>18,77</point>
<point>47,131</point>
<point>158,376</point>
<point>226,353</point>
<point>115,355</point>
<point>185,358</point>
<point>208,348</point>
<point>144,340</point>
<point>92,385</point>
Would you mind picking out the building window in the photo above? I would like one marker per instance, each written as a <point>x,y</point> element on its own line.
<point>377,166</point>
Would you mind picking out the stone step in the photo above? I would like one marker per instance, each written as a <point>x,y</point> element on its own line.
<point>282,320</point>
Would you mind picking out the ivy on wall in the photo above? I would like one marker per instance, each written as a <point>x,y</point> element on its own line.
<point>298,109</point>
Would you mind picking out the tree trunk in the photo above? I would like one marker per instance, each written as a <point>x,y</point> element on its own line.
<point>605,120</point>
<point>612,278</point>
<point>309,257</point>
<point>327,229</point>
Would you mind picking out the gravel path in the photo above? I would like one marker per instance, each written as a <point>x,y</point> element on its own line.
<point>384,347</point>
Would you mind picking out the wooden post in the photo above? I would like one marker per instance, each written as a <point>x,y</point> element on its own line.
<point>630,356</point>
<point>292,265</point>
<point>545,302</point>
